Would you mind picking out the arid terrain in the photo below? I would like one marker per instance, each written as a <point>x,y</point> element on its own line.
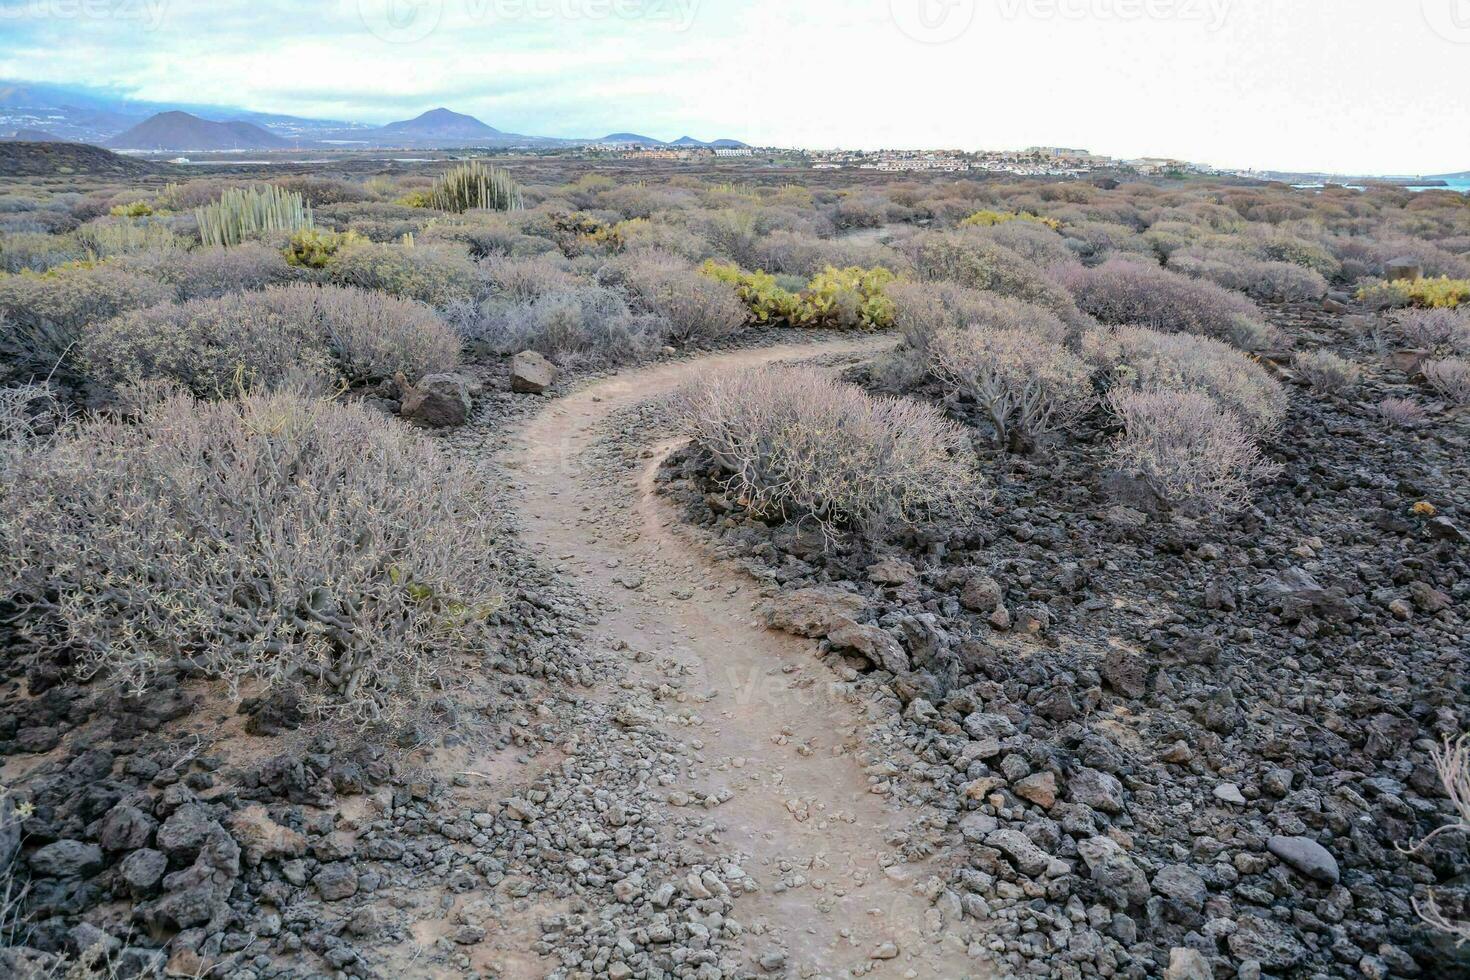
<point>545,571</point>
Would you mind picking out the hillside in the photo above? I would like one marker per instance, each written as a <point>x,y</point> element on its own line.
<point>181,131</point>
<point>25,158</point>
<point>35,136</point>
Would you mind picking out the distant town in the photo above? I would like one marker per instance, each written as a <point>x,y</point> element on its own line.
<point>1034,161</point>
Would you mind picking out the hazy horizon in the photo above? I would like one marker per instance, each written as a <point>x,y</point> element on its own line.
<point>1338,87</point>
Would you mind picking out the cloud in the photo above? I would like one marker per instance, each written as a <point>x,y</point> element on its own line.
<point>1232,82</point>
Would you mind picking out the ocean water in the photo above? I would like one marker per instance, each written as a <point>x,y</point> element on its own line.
<point>1463,186</point>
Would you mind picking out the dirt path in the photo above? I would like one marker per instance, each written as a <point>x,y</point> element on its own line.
<point>773,729</point>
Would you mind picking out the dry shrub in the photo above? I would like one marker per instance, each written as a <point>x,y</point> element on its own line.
<point>796,443</point>
<point>276,540</point>
<point>210,272</point>
<point>1123,291</point>
<point>1326,372</point>
<point>433,274</point>
<point>1192,452</point>
<point>1435,328</point>
<point>1136,357</point>
<point>921,310</point>
<point>42,317</point>
<point>270,339</point>
<point>972,259</point>
<point>37,251</point>
<point>693,307</point>
<point>1257,278</point>
<point>524,279</point>
<point>1026,385</point>
<point>581,324</point>
<point>1403,413</point>
<point>1450,377</point>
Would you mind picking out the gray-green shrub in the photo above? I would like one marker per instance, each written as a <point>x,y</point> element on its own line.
<point>275,541</point>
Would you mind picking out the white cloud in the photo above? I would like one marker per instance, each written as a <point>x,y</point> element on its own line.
<point>1348,85</point>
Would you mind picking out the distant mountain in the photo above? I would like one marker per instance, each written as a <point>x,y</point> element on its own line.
<point>690,141</point>
<point>35,136</point>
<point>632,138</point>
<point>181,131</point>
<point>441,124</point>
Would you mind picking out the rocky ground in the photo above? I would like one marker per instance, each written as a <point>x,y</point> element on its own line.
<point>1072,738</point>
<point>1166,746</point>
<point>588,800</point>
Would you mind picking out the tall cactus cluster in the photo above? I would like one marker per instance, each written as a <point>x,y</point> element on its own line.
<point>474,185</point>
<point>243,213</point>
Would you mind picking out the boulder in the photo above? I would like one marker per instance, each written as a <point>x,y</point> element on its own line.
<point>813,612</point>
<point>1097,789</point>
<point>1114,873</point>
<point>891,571</point>
<point>1188,964</point>
<point>872,644</point>
<point>1404,268</point>
<point>437,401</point>
<point>125,828</point>
<point>1307,857</point>
<point>981,594</point>
<point>261,838</point>
<point>67,859</point>
<point>530,373</point>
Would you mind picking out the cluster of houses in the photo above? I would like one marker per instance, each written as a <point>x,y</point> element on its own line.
<point>1034,161</point>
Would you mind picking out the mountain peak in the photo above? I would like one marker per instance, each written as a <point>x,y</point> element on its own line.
<point>175,130</point>
<point>441,123</point>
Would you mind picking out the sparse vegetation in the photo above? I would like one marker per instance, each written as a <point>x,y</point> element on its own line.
<point>793,442</point>
<point>343,555</point>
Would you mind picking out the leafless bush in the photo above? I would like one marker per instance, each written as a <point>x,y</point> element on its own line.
<point>585,323</point>
<point>271,339</point>
<point>275,540</point>
<point>924,309</point>
<point>524,279</point>
<point>1034,242</point>
<point>1404,413</point>
<point>37,251</point>
<point>1452,762</point>
<point>1435,328</point>
<point>1136,357</point>
<point>1325,371</point>
<point>798,444</point>
<point>1192,452</point>
<point>318,191</point>
<point>799,254</point>
<point>1026,385</point>
<point>1125,291</point>
<point>694,307</point>
<point>1450,376</point>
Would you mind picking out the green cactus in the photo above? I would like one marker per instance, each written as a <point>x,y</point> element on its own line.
<point>474,185</point>
<point>243,213</point>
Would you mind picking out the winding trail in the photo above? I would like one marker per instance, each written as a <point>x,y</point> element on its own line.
<point>774,729</point>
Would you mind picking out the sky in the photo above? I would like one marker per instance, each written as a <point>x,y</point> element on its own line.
<point>1345,86</point>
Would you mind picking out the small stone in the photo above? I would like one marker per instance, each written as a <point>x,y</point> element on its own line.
<point>885,951</point>
<point>1039,788</point>
<point>1229,793</point>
